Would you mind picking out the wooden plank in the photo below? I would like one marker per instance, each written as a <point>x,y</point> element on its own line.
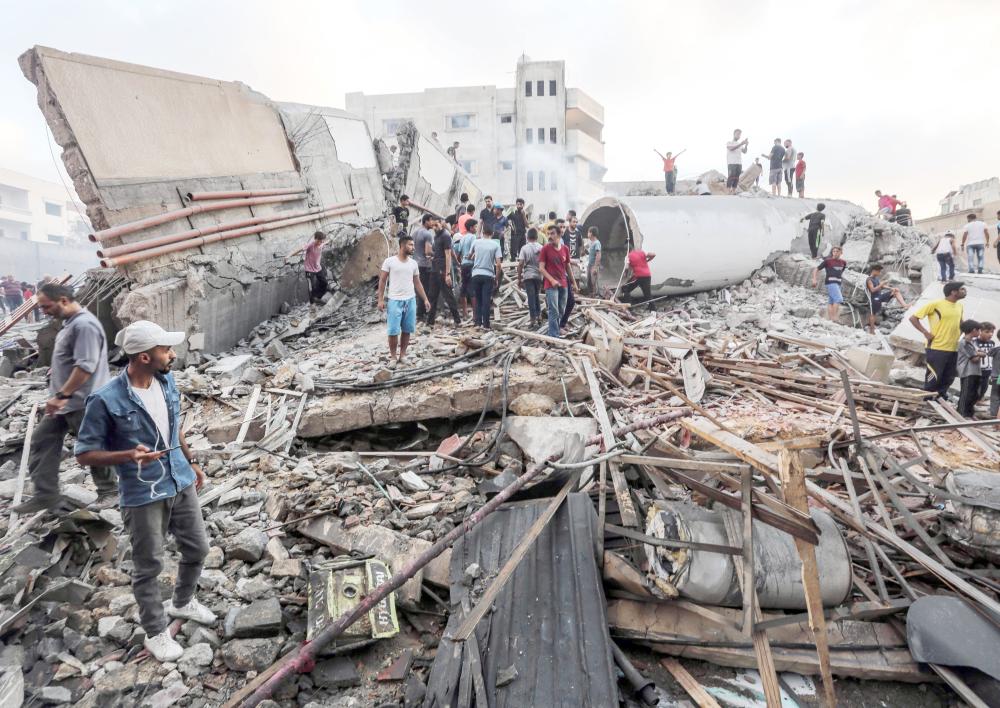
<point>488,597</point>
<point>794,488</point>
<point>680,394</point>
<point>22,471</point>
<point>747,565</point>
<point>682,464</point>
<point>248,416</point>
<point>295,423</point>
<point>550,340</point>
<point>689,683</point>
<point>622,493</point>
<point>865,541</point>
<point>762,460</point>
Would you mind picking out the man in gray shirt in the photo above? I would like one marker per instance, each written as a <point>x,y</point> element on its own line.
<point>529,277</point>
<point>79,366</point>
<point>423,246</point>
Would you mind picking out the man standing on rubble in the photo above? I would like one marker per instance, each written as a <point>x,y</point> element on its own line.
<point>788,165</point>
<point>975,241</point>
<point>313,265</point>
<point>441,275</point>
<point>485,276</point>
<point>134,423</point>
<point>518,228</point>
<point>593,260</point>
<point>553,264</point>
<point>734,159</point>
<point>401,274</point>
<point>486,216</point>
<point>776,156</point>
<point>423,246</point>
<point>834,266</point>
<point>814,232</point>
<point>79,366</point>
<point>945,319</point>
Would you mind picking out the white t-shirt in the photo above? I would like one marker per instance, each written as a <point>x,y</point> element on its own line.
<point>734,152</point>
<point>944,246</point>
<point>400,285</point>
<point>156,405</point>
<point>976,231</point>
<point>789,161</point>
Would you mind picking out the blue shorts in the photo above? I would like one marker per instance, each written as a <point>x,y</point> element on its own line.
<point>833,291</point>
<point>401,315</point>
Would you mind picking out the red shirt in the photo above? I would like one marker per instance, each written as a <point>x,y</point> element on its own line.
<point>555,259</point>
<point>668,164</point>
<point>461,223</point>
<point>637,262</point>
<point>800,169</point>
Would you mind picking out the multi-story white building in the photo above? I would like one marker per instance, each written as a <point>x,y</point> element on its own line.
<point>971,196</point>
<point>34,209</point>
<point>539,140</point>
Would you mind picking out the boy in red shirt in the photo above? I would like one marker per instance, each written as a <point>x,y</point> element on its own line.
<point>800,176</point>
<point>638,264</point>
<point>553,262</point>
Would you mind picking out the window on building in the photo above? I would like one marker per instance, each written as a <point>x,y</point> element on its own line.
<point>552,135</point>
<point>507,118</point>
<point>53,209</point>
<point>527,89</point>
<point>541,136</point>
<point>391,126</point>
<point>58,240</point>
<point>552,87</point>
<point>461,121</point>
<point>529,135</point>
<point>552,182</point>
<point>977,202</point>
<point>506,165</point>
<point>530,181</point>
<point>24,235</point>
<point>541,181</point>
<point>469,166</point>
<point>540,88</point>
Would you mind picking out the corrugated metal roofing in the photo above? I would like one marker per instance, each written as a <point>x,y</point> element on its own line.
<point>549,622</point>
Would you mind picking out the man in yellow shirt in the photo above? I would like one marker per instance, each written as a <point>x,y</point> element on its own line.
<point>945,318</point>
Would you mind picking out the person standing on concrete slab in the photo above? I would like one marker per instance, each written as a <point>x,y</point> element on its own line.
<point>401,214</point>
<point>485,276</point>
<point>904,217</point>
<point>398,287</point>
<point>945,318</point>
<point>313,265</point>
<point>486,216</point>
<point>500,223</point>
<point>423,246</point>
<point>133,422</point>
<point>669,169</point>
<point>734,159</point>
<point>518,227</point>
<point>975,241</point>
<point>466,296</point>
<point>593,260</point>
<point>639,275</point>
<point>945,252</point>
<point>529,277</point>
<point>834,267</point>
<point>788,165</point>
<point>776,156</point>
<point>573,235</point>
<point>453,151</point>
<point>800,175</point>
<point>553,263</point>
<point>441,276</point>
<point>986,346</point>
<point>79,366</point>
<point>968,368</point>
<point>886,204</point>
<point>12,293</point>
<point>879,294</point>
<point>814,232</point>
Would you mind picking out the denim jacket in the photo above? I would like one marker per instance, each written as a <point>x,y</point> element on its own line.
<point>116,419</point>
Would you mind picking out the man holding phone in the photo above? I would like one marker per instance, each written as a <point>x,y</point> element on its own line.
<point>133,423</point>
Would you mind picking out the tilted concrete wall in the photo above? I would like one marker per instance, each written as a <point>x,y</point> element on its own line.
<point>431,178</point>
<point>136,139</point>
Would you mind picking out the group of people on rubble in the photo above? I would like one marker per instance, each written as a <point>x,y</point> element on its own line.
<point>14,293</point>
<point>458,261</point>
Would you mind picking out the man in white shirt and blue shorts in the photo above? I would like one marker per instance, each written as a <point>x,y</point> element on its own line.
<point>398,287</point>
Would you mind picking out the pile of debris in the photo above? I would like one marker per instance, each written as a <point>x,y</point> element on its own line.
<point>731,480</point>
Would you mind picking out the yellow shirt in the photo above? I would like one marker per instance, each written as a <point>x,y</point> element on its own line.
<point>944,317</point>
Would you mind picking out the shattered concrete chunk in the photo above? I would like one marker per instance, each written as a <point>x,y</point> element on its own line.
<point>250,654</point>
<point>338,672</point>
<point>247,545</point>
<point>262,618</point>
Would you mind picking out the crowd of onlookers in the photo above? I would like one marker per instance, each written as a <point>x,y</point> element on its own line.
<point>16,292</point>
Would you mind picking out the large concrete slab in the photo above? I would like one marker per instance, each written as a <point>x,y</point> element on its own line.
<point>981,303</point>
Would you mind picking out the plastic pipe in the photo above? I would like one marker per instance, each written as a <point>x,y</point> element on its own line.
<point>202,196</point>
<point>223,236</point>
<point>163,218</point>
<point>145,245</point>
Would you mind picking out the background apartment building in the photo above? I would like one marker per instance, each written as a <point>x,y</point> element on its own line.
<point>539,140</point>
<point>42,230</point>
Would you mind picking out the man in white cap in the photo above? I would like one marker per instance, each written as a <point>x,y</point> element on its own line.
<point>133,423</point>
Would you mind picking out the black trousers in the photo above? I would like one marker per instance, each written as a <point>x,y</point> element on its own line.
<point>570,303</point>
<point>643,283</point>
<point>814,239</point>
<point>425,280</point>
<point>969,395</point>
<point>733,178</point>
<point>317,285</point>
<point>941,371</point>
<point>517,241</point>
<point>440,289</point>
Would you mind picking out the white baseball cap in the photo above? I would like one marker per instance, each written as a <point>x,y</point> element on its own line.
<point>143,335</point>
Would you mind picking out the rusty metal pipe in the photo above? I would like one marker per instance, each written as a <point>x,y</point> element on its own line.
<point>202,196</point>
<point>132,227</point>
<point>223,236</point>
<point>145,245</point>
<point>303,658</point>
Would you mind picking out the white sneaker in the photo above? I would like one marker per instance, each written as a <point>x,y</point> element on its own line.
<point>163,647</point>
<point>194,610</point>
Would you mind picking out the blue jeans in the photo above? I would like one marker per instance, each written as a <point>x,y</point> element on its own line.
<point>531,288</point>
<point>570,302</point>
<point>976,254</point>
<point>555,304</point>
<point>482,291</point>
<point>947,265</point>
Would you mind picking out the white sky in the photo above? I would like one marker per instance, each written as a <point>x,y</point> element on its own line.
<point>892,95</point>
